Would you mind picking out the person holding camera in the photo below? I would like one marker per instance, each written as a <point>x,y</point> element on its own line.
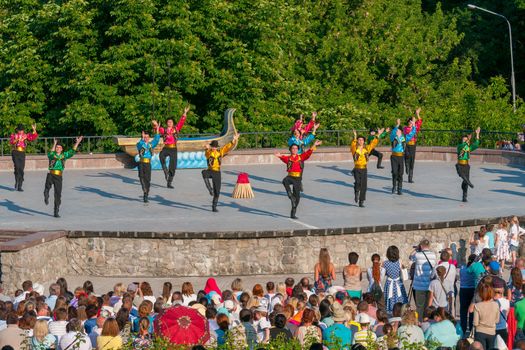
<point>425,261</point>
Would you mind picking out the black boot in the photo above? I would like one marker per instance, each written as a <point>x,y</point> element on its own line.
<point>145,198</point>
<point>214,205</point>
<point>16,184</point>
<point>170,185</point>
<point>464,200</point>
<point>379,160</point>
<point>394,186</point>
<point>292,213</point>
<point>411,176</point>
<point>361,204</point>
<point>356,196</point>
<point>470,184</point>
<point>19,186</point>
<point>400,187</point>
<point>208,186</point>
<point>46,197</point>
<point>166,173</point>
<point>56,212</point>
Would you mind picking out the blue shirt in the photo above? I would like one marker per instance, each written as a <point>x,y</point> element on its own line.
<point>466,278</point>
<point>146,148</point>
<point>301,143</point>
<point>398,142</point>
<point>337,336</point>
<point>51,301</point>
<point>90,324</point>
<point>490,235</point>
<point>443,332</point>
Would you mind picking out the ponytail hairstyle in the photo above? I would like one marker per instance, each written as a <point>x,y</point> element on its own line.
<point>376,268</point>
<point>441,272</point>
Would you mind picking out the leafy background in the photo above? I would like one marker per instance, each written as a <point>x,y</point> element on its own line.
<point>87,67</point>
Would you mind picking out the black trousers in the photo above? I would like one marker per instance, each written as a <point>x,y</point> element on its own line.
<point>55,181</point>
<point>145,176</point>
<point>465,298</point>
<point>215,177</point>
<point>410,160</point>
<point>376,153</point>
<point>360,183</point>
<point>172,154</point>
<point>397,163</point>
<point>464,173</point>
<point>293,185</point>
<point>19,162</point>
<point>486,340</point>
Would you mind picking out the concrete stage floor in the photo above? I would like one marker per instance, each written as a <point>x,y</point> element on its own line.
<point>110,200</point>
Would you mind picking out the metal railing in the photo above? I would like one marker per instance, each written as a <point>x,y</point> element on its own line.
<point>267,139</point>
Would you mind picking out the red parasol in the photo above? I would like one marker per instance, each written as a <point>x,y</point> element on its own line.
<point>183,325</point>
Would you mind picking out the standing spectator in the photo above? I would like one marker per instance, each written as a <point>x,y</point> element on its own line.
<point>450,275</point>
<point>514,292</point>
<point>110,338</point>
<point>324,271</point>
<point>519,313</point>
<point>308,332</point>
<point>394,289</point>
<point>440,290</point>
<point>424,260</point>
<point>12,335</point>
<point>502,243</point>
<point>504,307</point>
<point>467,286</point>
<point>376,278</point>
<point>54,292</point>
<point>479,240</point>
<point>352,276</point>
<point>261,324</point>
<point>442,330</point>
<point>270,291</point>
<point>486,315</point>
<point>244,334</point>
<point>75,338</point>
<point>41,339</point>
<point>409,332</point>
<point>515,232</point>
<point>338,333</point>
<point>490,234</point>
<point>27,287</point>
<point>91,313</point>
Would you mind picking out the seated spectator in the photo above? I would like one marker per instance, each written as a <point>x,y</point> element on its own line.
<point>337,336</point>
<point>143,339</point>
<point>442,330</point>
<point>12,335</point>
<point>365,334</point>
<point>307,331</point>
<point>352,276</point>
<point>41,339</point>
<point>280,330</point>
<point>110,337</point>
<point>58,327</point>
<point>409,332</point>
<point>224,325</point>
<point>75,338</point>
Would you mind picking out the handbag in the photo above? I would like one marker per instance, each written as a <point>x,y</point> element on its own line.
<point>404,274</point>
<point>470,337</point>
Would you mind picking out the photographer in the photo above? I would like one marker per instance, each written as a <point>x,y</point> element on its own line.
<point>425,261</point>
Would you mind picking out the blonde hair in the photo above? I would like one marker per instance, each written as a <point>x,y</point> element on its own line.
<point>281,288</point>
<point>119,289</point>
<point>409,318</point>
<point>324,262</point>
<point>40,330</point>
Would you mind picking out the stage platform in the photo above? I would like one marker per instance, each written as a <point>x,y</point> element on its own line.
<point>111,200</point>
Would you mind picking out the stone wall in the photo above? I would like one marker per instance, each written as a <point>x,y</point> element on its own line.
<point>215,256</point>
<point>39,263</point>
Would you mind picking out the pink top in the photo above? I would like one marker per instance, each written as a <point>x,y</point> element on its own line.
<point>170,134</point>
<point>19,140</point>
<point>299,126</point>
<point>408,129</point>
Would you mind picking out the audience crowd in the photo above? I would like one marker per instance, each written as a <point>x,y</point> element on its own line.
<point>437,300</point>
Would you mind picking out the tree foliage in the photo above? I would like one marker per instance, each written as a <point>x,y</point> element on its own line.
<point>109,67</point>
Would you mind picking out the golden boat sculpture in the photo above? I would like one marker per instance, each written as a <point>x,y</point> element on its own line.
<point>190,144</point>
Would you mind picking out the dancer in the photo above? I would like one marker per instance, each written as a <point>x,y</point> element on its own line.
<point>463,167</point>
<point>19,142</point>
<point>374,151</point>
<point>301,136</point>
<point>214,155</point>
<point>294,167</point>
<point>57,161</point>
<point>361,152</point>
<point>410,150</point>
<point>398,153</point>
<point>146,147</point>
<point>170,135</point>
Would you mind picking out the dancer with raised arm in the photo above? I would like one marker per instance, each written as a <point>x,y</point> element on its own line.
<point>294,166</point>
<point>57,161</point>
<point>170,134</point>
<point>463,167</point>
<point>146,148</point>
<point>373,135</point>
<point>301,135</point>
<point>410,151</point>
<point>18,141</point>
<point>214,155</point>
<point>360,153</point>
<point>397,158</point>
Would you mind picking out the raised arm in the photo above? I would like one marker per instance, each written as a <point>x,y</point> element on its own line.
<point>182,119</point>
<point>311,123</point>
<point>394,130</point>
<point>353,145</point>
<point>419,120</point>
<point>375,141</point>
<point>32,136</point>
<point>228,147</point>
<point>412,133</point>
<point>156,139</point>
<point>475,144</point>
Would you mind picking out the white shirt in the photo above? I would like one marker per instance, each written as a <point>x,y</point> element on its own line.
<point>187,299</point>
<point>72,341</point>
<point>450,277</point>
<point>57,328</point>
<point>260,327</point>
<point>515,232</point>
